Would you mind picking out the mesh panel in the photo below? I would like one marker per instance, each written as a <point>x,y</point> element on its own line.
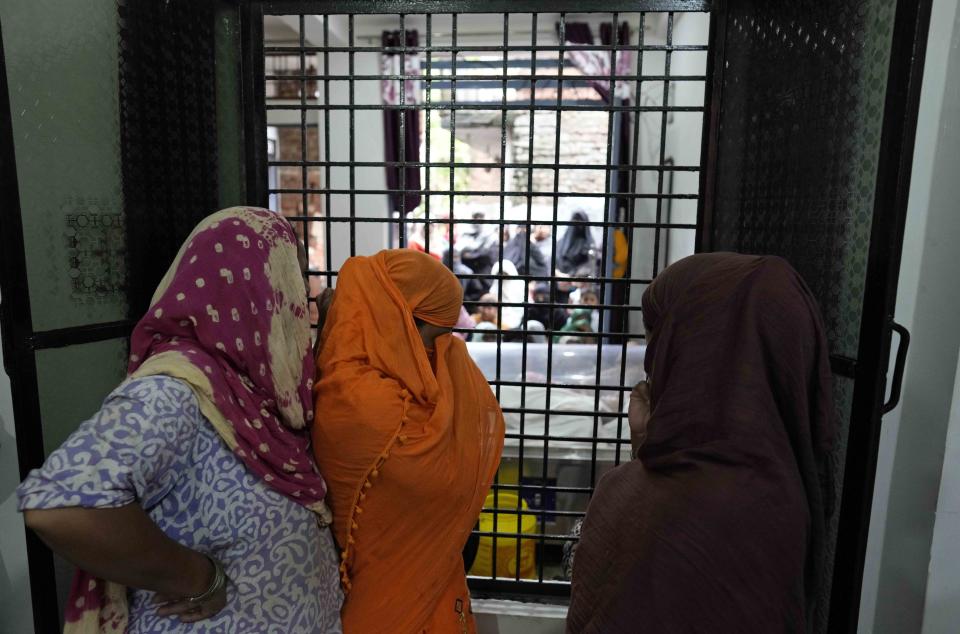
<point>168,133</point>
<point>797,161</point>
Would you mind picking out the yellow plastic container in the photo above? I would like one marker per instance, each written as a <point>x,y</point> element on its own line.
<point>506,546</point>
<point>509,474</point>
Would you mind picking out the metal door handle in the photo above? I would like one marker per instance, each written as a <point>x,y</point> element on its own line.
<point>901,361</point>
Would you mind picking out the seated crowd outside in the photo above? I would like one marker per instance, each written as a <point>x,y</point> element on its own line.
<point>477,250</point>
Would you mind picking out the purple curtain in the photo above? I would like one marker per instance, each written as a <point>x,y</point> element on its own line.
<point>597,63</point>
<point>390,64</point>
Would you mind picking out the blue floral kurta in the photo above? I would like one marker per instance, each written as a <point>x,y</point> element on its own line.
<point>150,444</point>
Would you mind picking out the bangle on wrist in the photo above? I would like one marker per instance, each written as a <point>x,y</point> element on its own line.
<point>216,585</point>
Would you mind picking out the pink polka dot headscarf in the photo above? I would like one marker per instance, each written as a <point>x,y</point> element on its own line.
<point>230,318</point>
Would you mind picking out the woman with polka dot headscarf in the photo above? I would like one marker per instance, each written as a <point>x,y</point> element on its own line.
<point>190,502</point>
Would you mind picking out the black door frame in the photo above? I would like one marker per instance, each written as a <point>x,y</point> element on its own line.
<point>20,342</point>
<point>16,324</point>
<point>894,170</point>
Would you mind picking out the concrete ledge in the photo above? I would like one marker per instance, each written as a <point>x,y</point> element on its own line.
<point>497,616</point>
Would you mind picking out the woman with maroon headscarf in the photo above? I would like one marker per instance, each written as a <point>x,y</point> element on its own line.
<point>190,501</point>
<point>718,524</point>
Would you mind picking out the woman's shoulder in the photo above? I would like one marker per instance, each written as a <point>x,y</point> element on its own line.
<point>158,394</point>
<point>134,448</point>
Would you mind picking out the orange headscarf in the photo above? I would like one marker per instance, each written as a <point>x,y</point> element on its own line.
<point>408,447</point>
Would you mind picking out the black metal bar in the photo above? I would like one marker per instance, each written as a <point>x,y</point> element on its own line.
<point>631,211</point>
<point>294,50</point>
<point>483,193</point>
<point>503,186</point>
<point>508,165</point>
<point>328,208</point>
<point>453,140</point>
<point>586,335</point>
<point>16,324</point>
<point>560,489</point>
<point>253,95</point>
<point>540,104</point>
<point>484,81</point>
<point>427,134</point>
<point>353,144</point>
<point>570,386</point>
<point>663,147</point>
<point>593,106</point>
<point>542,278</point>
<point>304,181</point>
<point>542,536</point>
<point>526,252</point>
<point>331,7</point>
<point>535,513</point>
<point>402,145</point>
<point>568,412</point>
<point>441,65</point>
<point>484,84</point>
<point>709,148</point>
<point>668,209</point>
<point>623,225</point>
<point>547,104</point>
<point>553,268</point>
<point>77,335</point>
<point>446,83</point>
<point>605,242</point>
<point>491,63</point>
<point>546,278</point>
<point>895,162</point>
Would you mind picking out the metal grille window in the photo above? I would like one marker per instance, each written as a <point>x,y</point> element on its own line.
<point>552,160</point>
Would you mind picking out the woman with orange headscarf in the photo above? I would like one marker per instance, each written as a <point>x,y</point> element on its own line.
<point>408,437</point>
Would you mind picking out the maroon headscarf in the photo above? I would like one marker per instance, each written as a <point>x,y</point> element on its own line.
<point>230,319</point>
<point>719,525</point>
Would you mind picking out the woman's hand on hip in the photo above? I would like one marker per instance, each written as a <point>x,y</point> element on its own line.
<point>190,611</point>
<point>125,546</point>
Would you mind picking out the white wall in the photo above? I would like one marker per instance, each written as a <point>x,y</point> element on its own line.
<point>16,614</point>
<point>368,146</point>
<point>942,607</point>
<point>685,135</point>
<point>912,438</point>
<point>367,129</point>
